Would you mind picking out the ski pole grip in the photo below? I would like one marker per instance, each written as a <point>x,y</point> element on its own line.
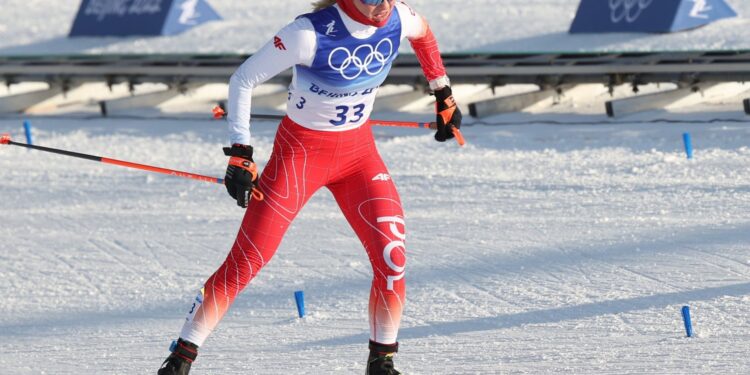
<point>459,136</point>
<point>5,139</point>
<point>219,113</point>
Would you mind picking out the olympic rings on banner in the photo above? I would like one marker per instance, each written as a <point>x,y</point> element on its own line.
<point>628,10</point>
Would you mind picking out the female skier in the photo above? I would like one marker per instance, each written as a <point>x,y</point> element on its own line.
<point>340,53</point>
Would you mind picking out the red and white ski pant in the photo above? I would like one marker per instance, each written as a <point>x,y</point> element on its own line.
<point>303,161</point>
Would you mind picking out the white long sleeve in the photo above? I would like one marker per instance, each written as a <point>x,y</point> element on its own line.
<point>294,44</point>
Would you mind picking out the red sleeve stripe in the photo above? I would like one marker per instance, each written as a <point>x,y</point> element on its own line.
<point>428,54</point>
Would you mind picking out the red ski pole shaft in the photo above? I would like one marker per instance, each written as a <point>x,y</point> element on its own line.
<point>219,113</point>
<point>405,124</point>
<point>5,139</point>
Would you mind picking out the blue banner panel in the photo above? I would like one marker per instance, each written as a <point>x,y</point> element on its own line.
<point>696,13</point>
<point>188,13</point>
<point>139,17</point>
<point>647,16</point>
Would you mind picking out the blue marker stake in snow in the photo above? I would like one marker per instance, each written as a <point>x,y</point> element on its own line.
<point>686,319</point>
<point>688,145</point>
<point>299,297</point>
<point>27,129</point>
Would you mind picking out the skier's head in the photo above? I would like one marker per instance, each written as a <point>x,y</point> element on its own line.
<point>371,12</point>
<point>377,11</point>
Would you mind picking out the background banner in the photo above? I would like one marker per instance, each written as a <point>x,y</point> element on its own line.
<point>649,16</point>
<point>140,17</point>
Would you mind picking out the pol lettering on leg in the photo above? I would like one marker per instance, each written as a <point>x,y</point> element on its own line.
<point>388,249</point>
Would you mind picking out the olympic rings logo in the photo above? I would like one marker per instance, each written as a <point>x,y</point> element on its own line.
<point>364,59</point>
<point>628,10</point>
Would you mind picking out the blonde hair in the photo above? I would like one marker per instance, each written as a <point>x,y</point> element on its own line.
<point>320,4</point>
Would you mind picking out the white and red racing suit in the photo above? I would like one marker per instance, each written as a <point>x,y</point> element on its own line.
<point>325,141</point>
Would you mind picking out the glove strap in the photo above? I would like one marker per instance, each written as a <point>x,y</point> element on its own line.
<point>450,108</point>
<point>245,164</point>
<point>251,168</point>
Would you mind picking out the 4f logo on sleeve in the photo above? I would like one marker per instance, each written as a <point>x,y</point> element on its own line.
<point>381,177</point>
<point>278,43</point>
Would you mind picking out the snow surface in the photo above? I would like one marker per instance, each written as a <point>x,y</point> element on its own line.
<point>557,241</point>
<point>535,249</point>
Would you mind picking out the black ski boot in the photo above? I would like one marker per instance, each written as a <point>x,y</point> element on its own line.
<point>380,361</point>
<point>178,363</point>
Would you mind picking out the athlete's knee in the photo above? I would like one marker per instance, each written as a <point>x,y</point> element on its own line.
<point>388,251</point>
<point>239,268</point>
<point>248,265</point>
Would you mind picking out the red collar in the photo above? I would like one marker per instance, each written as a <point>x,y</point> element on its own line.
<point>351,10</point>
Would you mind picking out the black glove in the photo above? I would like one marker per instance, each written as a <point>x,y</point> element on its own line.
<point>241,178</point>
<point>448,114</point>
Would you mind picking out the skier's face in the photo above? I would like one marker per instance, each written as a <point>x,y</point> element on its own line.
<point>377,13</point>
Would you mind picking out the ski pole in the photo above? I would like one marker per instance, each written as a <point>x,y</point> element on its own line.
<point>5,140</point>
<point>428,125</point>
<point>219,113</point>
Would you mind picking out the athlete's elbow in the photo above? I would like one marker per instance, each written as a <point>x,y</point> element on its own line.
<point>239,79</point>
<point>425,30</point>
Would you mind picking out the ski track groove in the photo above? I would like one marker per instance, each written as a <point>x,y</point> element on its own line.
<point>64,221</point>
<point>485,291</point>
<point>726,258</point>
<point>480,272</point>
<point>576,265</point>
<point>460,297</point>
<point>630,325</point>
<point>79,275</point>
<point>723,267</point>
<point>103,249</point>
<point>583,274</point>
<point>652,279</point>
<point>552,276</point>
<point>160,265</point>
<point>152,252</point>
<point>626,322</point>
<point>211,250</point>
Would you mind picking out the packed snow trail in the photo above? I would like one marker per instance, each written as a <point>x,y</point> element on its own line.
<point>534,249</point>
